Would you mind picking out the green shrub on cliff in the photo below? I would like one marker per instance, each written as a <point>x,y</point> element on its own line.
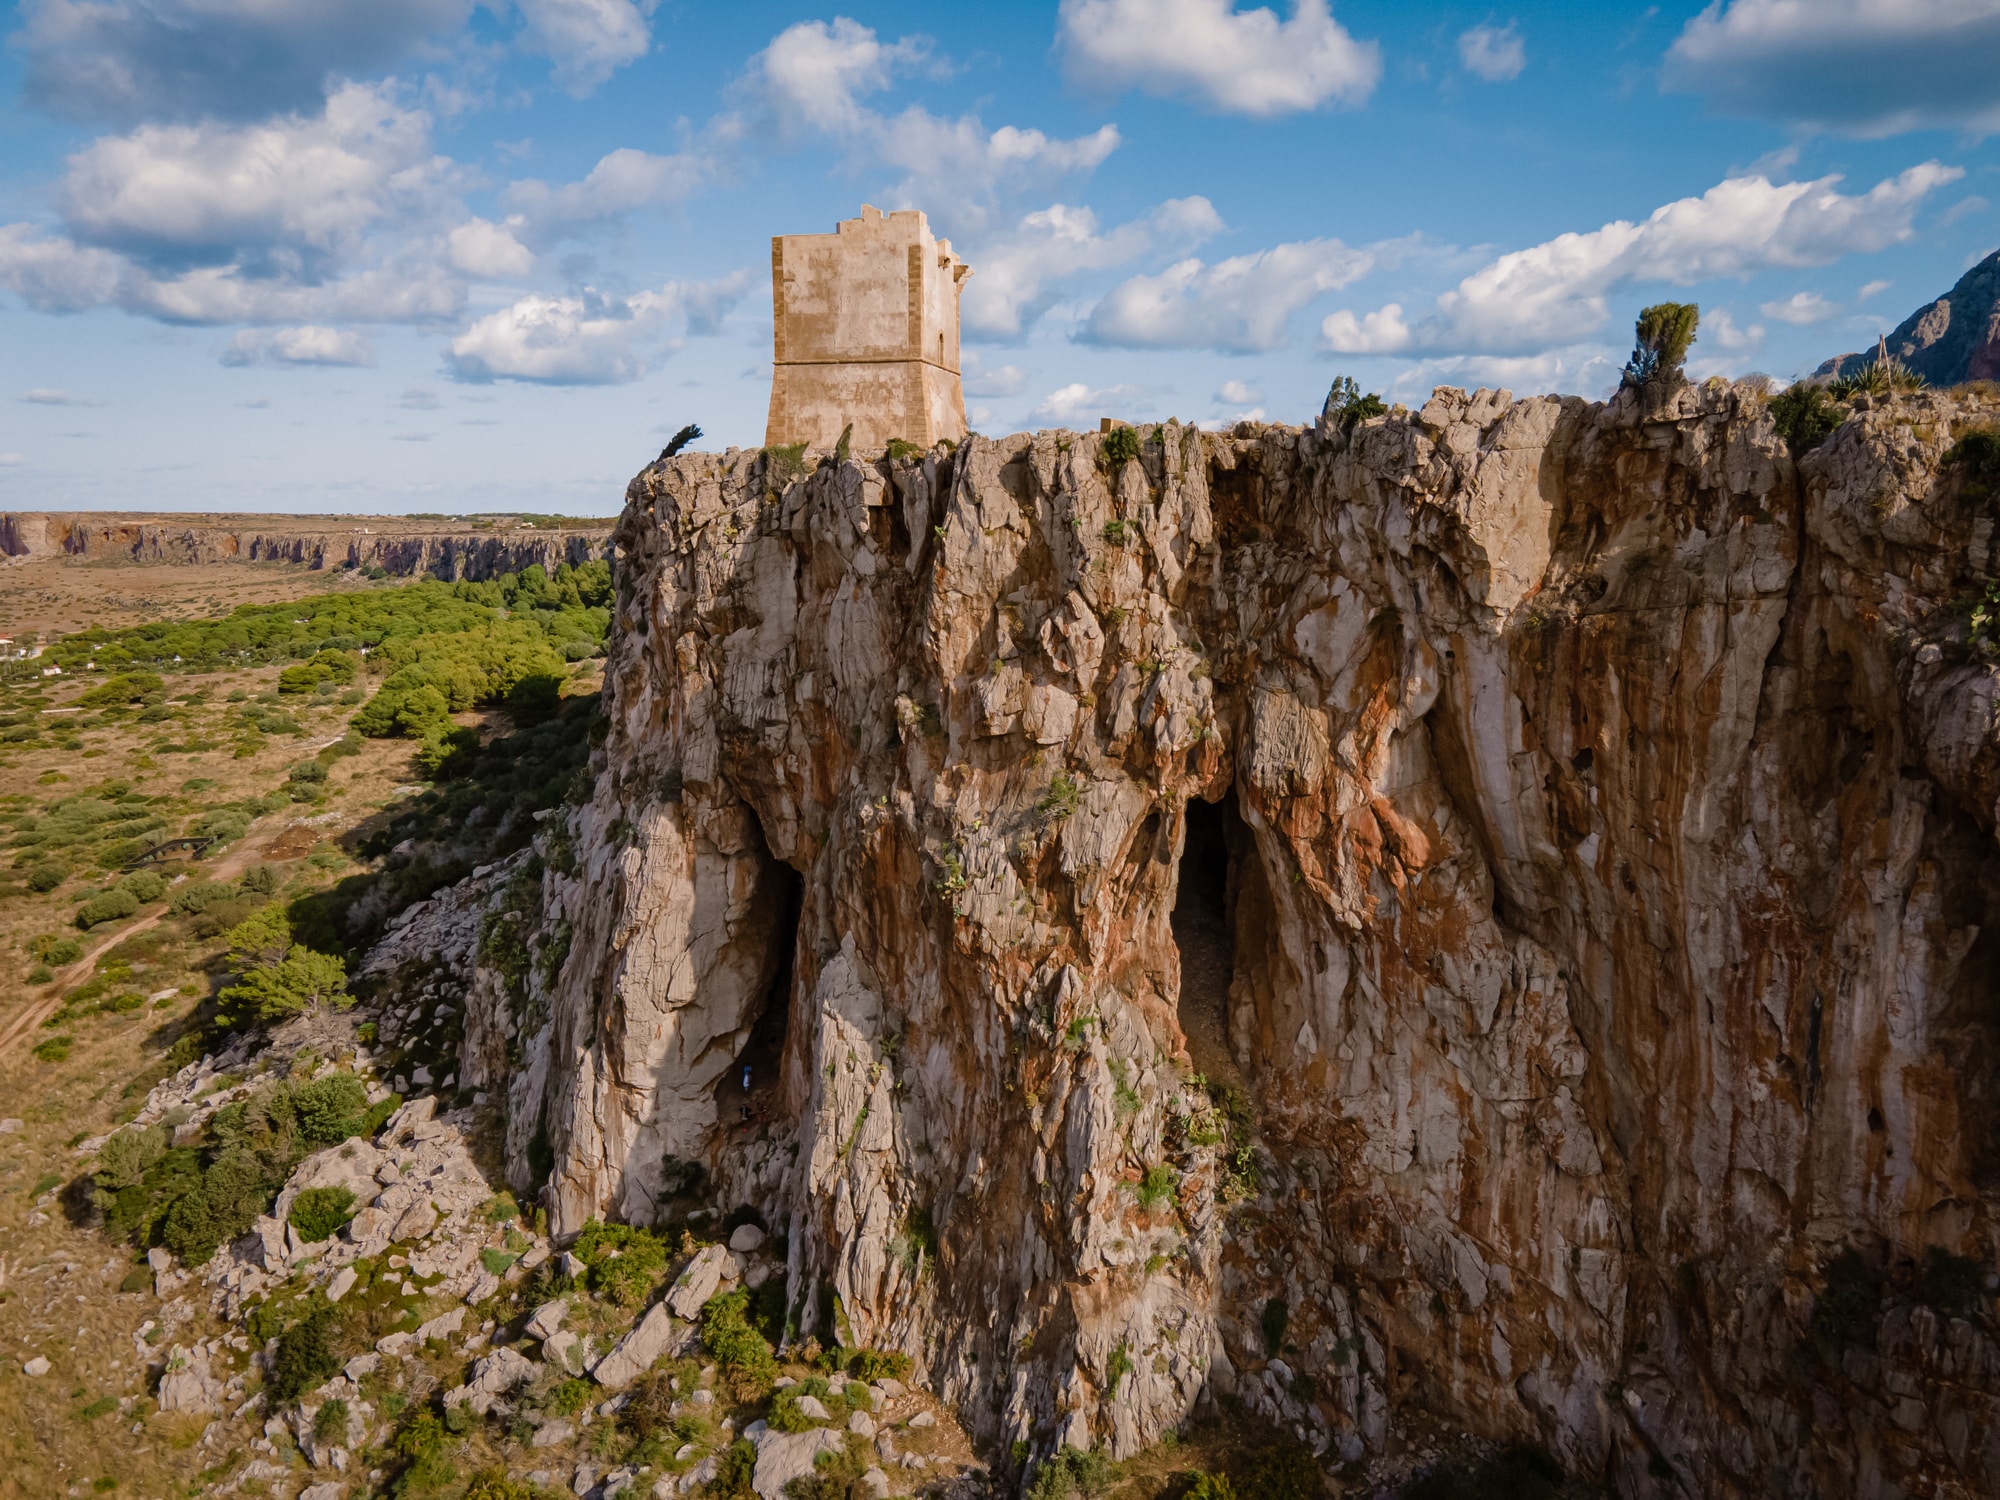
<point>276,976</point>
<point>1805,416</point>
<point>1119,448</point>
<point>1347,405</point>
<point>1661,339</point>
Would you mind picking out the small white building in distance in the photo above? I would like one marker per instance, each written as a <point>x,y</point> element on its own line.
<point>867,333</point>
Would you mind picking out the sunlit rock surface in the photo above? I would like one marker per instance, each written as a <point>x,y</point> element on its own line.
<point>1580,824</point>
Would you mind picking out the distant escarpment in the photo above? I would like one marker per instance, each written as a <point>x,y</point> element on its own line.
<point>396,545</point>
<point>1949,341</point>
<point>1485,915</point>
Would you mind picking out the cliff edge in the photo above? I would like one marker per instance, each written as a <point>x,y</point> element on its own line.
<point>1488,913</point>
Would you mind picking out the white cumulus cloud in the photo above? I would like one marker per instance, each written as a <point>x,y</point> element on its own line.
<point>1380,332</point>
<point>54,274</point>
<point>814,77</point>
<point>1494,53</point>
<point>1018,274</point>
<point>813,74</point>
<point>621,181</point>
<point>1079,402</point>
<point>586,40</point>
<point>1006,380</point>
<point>1557,293</point>
<point>1238,306</point>
<point>1719,329</point>
<point>1801,309</point>
<point>304,186</point>
<point>1245,62</point>
<point>488,251</point>
<point>1858,67</point>
<point>1567,369</point>
<point>336,216</point>
<point>587,338</point>
<point>307,345</point>
<point>1236,393</point>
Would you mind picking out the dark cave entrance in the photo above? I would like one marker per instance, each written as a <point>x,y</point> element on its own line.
<point>761,1062</point>
<point>1204,925</point>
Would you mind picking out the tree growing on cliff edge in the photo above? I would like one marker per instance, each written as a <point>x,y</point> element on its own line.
<point>1661,340</point>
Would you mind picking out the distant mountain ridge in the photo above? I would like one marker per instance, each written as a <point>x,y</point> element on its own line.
<point>1949,341</point>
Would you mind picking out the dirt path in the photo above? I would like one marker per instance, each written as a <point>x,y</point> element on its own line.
<point>231,865</point>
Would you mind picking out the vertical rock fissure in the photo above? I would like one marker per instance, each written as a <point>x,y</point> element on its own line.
<point>1204,933</point>
<point>751,1092</point>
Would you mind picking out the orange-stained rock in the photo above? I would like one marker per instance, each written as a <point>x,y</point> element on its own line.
<point>1613,888</point>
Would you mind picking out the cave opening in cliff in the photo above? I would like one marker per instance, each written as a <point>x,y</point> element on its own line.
<point>1205,929</point>
<point>749,1094</point>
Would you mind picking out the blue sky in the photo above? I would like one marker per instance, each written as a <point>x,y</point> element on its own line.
<point>438,255</point>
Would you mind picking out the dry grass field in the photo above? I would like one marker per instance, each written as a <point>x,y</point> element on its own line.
<point>83,1038</point>
<point>43,594</point>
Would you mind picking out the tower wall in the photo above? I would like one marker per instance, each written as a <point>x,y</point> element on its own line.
<point>866,331</point>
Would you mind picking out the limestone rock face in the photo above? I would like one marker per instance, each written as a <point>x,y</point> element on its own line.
<point>1493,912</point>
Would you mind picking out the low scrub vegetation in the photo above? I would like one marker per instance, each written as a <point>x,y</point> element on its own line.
<point>197,1196</point>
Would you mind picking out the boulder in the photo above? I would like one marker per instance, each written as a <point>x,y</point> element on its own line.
<point>484,1285</point>
<point>370,1230</point>
<point>270,1234</point>
<point>656,1334</point>
<point>698,1282</point>
<point>342,1284</point>
<point>785,1456</point>
<point>187,1385</point>
<point>546,1319</point>
<point>747,1237</point>
<point>442,1326</point>
<point>552,1435</point>
<point>418,1220</point>
<point>563,1350</point>
<point>500,1372</point>
<point>813,1407</point>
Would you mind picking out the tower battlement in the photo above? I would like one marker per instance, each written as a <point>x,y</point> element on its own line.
<point>866,331</point>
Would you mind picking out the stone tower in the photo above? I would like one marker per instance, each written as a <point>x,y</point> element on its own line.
<point>866,332</point>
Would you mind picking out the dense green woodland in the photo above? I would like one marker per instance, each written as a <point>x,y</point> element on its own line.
<point>438,648</point>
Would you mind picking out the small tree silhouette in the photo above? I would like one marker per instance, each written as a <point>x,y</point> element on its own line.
<point>1660,342</point>
<point>680,440</point>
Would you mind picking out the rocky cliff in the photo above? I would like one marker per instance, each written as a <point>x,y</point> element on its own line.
<point>1487,917</point>
<point>397,546</point>
<point>1949,341</point>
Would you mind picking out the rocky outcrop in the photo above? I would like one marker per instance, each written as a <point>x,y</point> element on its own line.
<point>1489,913</point>
<point>1949,341</point>
<point>396,546</point>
